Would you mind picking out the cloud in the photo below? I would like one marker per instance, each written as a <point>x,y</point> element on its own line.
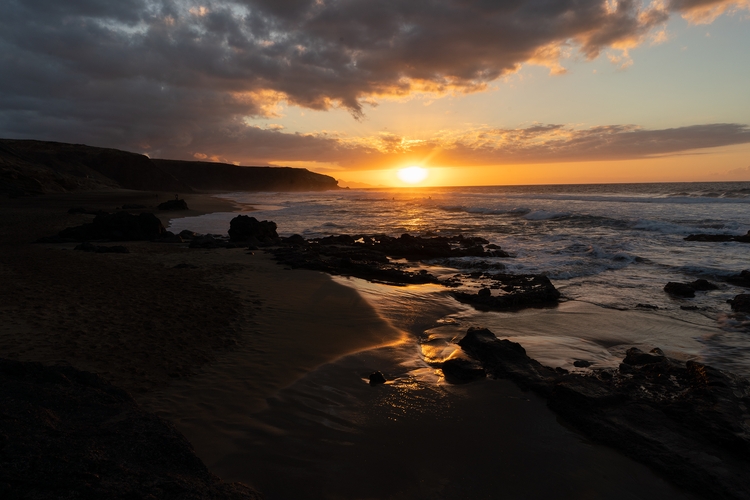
<point>165,75</point>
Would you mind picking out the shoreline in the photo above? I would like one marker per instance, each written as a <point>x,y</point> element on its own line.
<point>270,337</point>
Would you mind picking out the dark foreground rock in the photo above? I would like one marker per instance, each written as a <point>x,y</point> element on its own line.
<point>175,204</point>
<point>742,279</point>
<point>718,238</point>
<point>68,434</point>
<point>688,421</point>
<point>119,226</point>
<point>245,229</point>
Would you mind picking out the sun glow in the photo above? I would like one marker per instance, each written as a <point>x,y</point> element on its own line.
<point>412,175</point>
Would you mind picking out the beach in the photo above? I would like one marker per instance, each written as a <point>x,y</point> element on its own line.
<point>264,370</point>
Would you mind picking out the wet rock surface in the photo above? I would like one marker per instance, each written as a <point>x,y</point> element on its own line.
<point>68,434</point>
<point>718,238</point>
<point>175,204</point>
<point>740,303</point>
<point>688,290</point>
<point>689,421</point>
<point>392,260</point>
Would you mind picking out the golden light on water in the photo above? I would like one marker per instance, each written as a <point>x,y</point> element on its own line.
<point>413,175</point>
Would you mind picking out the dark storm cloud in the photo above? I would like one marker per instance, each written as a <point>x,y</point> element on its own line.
<point>163,75</point>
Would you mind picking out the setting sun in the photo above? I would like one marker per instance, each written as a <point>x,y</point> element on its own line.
<point>412,175</point>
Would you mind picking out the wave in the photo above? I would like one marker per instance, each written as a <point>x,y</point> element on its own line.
<point>545,215</point>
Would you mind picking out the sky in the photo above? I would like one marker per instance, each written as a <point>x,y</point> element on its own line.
<point>475,91</point>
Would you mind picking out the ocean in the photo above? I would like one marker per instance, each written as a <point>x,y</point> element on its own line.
<point>606,248</point>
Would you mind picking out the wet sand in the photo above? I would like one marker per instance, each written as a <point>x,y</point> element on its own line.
<point>263,371</point>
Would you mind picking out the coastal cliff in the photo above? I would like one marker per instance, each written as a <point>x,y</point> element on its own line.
<point>29,167</point>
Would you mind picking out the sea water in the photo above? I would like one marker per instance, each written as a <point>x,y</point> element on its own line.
<point>608,247</point>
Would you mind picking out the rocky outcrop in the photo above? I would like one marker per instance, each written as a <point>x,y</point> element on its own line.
<point>507,292</point>
<point>69,434</point>
<point>120,226</point>
<point>689,421</point>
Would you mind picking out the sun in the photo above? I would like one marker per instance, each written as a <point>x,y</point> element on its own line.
<point>412,175</point>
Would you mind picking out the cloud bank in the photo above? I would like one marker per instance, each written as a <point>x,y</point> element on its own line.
<point>180,77</point>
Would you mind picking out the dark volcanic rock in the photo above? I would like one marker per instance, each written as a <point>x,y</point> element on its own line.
<point>745,238</point>
<point>702,285</point>
<point>742,279</point>
<point>377,378</point>
<point>679,289</point>
<point>175,204</point>
<point>69,434</point>
<point>462,370</point>
<point>90,247</point>
<point>506,359</point>
<point>740,303</point>
<point>250,230</point>
<point>120,226</point>
<point>689,421</point>
<point>512,291</point>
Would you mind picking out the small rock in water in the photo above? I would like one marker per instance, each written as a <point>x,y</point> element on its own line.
<point>702,285</point>
<point>377,378</point>
<point>679,289</point>
<point>740,303</point>
<point>581,363</point>
<point>636,357</point>
<point>647,306</point>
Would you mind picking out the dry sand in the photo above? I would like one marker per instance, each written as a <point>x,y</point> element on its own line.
<point>207,347</point>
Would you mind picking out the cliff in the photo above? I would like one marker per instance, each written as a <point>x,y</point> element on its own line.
<point>204,176</point>
<point>30,167</point>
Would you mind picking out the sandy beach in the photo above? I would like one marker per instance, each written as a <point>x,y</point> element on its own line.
<point>263,369</point>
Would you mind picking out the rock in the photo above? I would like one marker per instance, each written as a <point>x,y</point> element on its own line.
<point>517,292</point>
<point>168,237</point>
<point>462,370</point>
<point>249,229</point>
<point>636,357</point>
<point>120,226</point>
<point>186,234</point>
<point>646,306</point>
<point>294,240</point>
<point>506,359</point>
<point>90,247</point>
<point>679,289</point>
<point>702,285</point>
<point>742,279</point>
<point>689,308</point>
<point>581,363</point>
<point>740,303</point>
<point>175,204</point>
<point>69,434</point>
<point>745,238</point>
<point>377,378</point>
<point>688,421</point>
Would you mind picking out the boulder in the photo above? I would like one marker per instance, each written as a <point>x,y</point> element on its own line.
<point>636,357</point>
<point>581,363</point>
<point>740,303</point>
<point>175,204</point>
<point>244,228</point>
<point>516,291</point>
<point>702,285</point>
<point>120,226</point>
<point>679,289</point>
<point>742,279</point>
